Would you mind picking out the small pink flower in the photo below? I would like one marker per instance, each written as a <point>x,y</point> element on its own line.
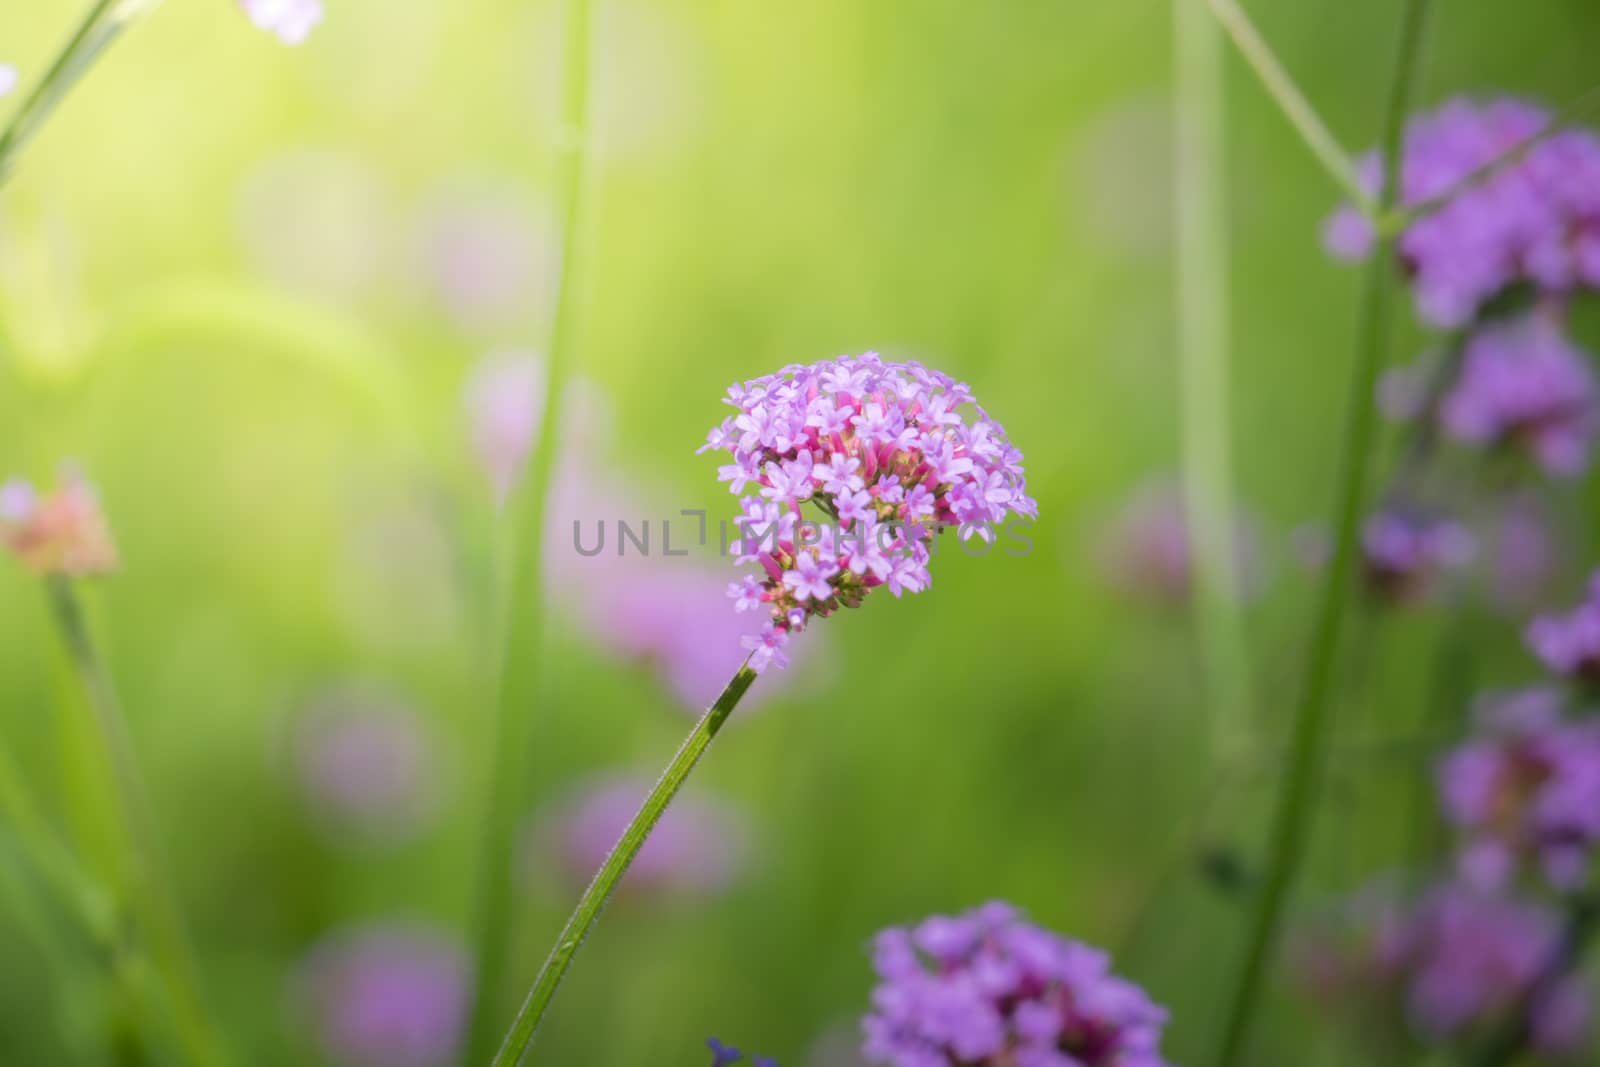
<point>291,20</point>
<point>63,532</point>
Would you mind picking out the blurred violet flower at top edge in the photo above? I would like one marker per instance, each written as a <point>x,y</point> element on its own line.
<point>1446,963</point>
<point>8,78</point>
<point>365,765</point>
<point>1146,548</point>
<point>698,848</point>
<point>1536,220</point>
<point>488,256</point>
<point>505,400</point>
<point>724,1055</point>
<point>988,989</point>
<point>291,20</point>
<point>1570,644</point>
<point>1524,385</point>
<point>62,532</point>
<point>1405,553</point>
<point>385,995</point>
<point>886,454</point>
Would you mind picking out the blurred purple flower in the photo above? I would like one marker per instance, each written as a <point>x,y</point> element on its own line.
<point>505,405</point>
<point>987,989</point>
<point>1537,220</point>
<point>8,78</point>
<point>1527,787</point>
<point>1526,552</point>
<point>488,257</point>
<point>697,848</point>
<point>291,20</point>
<point>386,995</point>
<point>1405,553</point>
<point>365,766</point>
<point>1570,644</point>
<point>1523,384</point>
<point>1146,549</point>
<point>905,424</point>
<point>62,532</point>
<point>1448,962</point>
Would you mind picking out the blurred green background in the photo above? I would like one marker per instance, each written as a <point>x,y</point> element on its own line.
<point>218,293</point>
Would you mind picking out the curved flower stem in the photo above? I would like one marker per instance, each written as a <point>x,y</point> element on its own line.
<point>1294,105</point>
<point>152,901</point>
<point>1202,296</point>
<point>520,621</point>
<point>100,25</point>
<point>1298,791</point>
<point>615,866</point>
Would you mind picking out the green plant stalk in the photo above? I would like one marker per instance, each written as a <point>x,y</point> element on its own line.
<point>615,866</point>
<point>520,622</point>
<point>151,899</point>
<point>95,32</point>
<point>1203,341</point>
<point>1287,845</point>
<point>1294,105</point>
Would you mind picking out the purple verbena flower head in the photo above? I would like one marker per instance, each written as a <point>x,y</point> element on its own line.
<point>1534,221</point>
<point>1527,788</point>
<point>1445,965</point>
<point>986,989</point>
<point>1404,553</point>
<point>505,405</point>
<point>1147,551</point>
<point>839,430</point>
<point>1570,644</point>
<point>1524,385</point>
<point>365,766</point>
<point>8,78</point>
<point>386,995</point>
<point>1528,552</point>
<point>698,848</point>
<point>291,20</point>
<point>63,532</point>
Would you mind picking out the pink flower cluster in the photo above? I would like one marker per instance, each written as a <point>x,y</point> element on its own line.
<point>884,453</point>
<point>1537,220</point>
<point>1528,787</point>
<point>58,533</point>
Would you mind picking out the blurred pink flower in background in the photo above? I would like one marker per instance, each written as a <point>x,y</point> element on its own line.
<point>1145,549</point>
<point>291,20</point>
<point>667,611</point>
<point>505,405</point>
<point>62,532</point>
<point>699,847</point>
<point>488,256</point>
<point>8,78</point>
<point>385,994</point>
<point>365,765</point>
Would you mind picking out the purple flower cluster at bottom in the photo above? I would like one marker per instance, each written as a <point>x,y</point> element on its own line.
<point>986,989</point>
<point>1452,961</point>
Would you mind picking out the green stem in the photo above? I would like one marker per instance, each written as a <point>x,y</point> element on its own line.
<point>615,866</point>
<point>100,25</point>
<point>1202,296</point>
<point>520,611</point>
<point>1298,791</point>
<point>152,901</point>
<point>1294,105</point>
